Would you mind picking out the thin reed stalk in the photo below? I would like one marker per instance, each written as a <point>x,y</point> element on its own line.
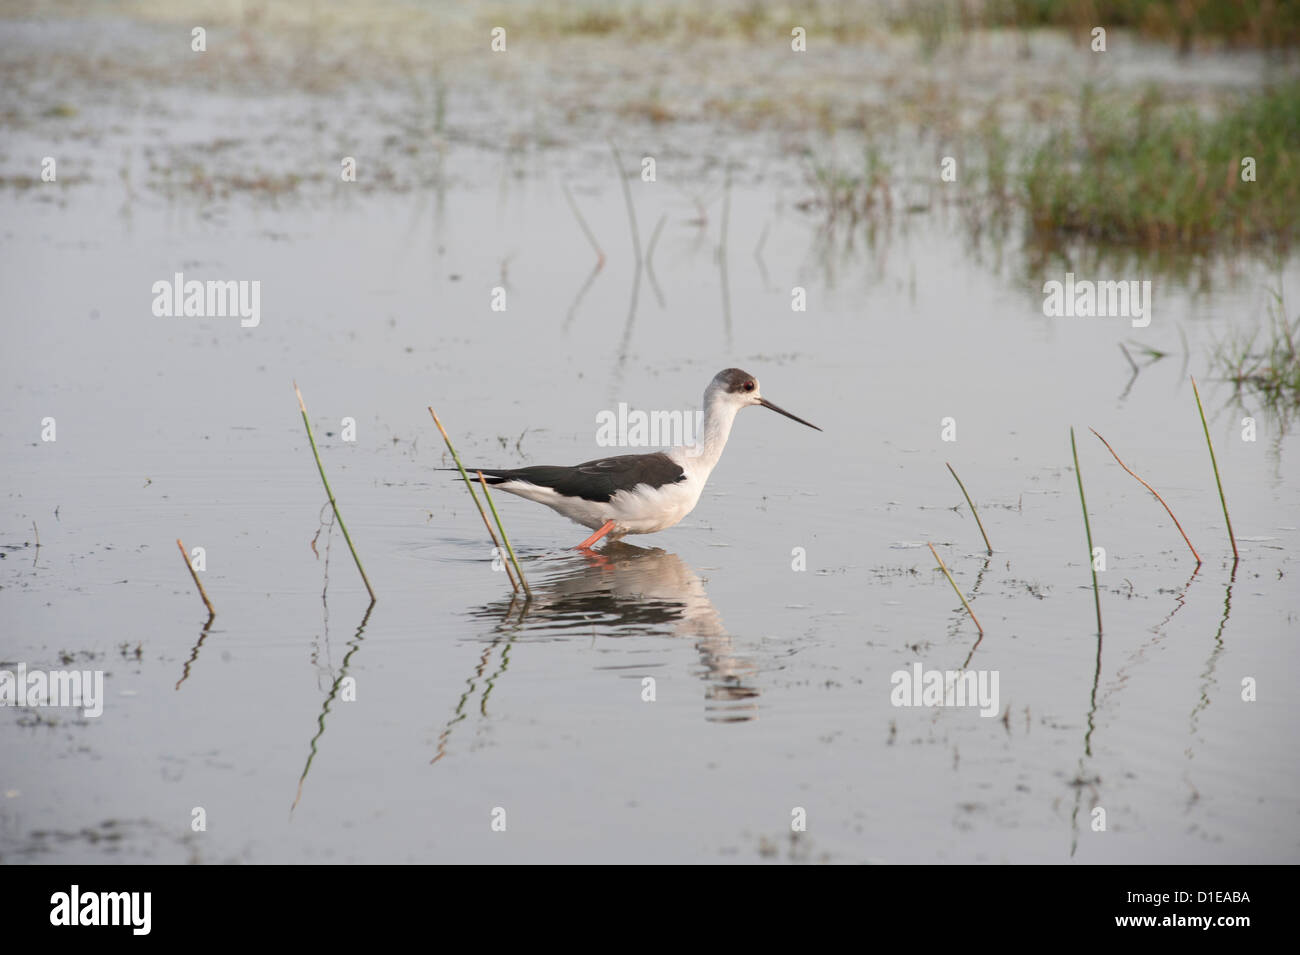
<point>197,583</point>
<point>978,522</point>
<point>961,596</point>
<point>631,210</point>
<point>1132,363</point>
<point>726,212</point>
<point>491,533</point>
<point>654,238</point>
<point>481,513</point>
<point>1217,480</point>
<point>586,230</point>
<point>1096,592</point>
<point>502,528</point>
<point>1152,490</point>
<point>330,494</point>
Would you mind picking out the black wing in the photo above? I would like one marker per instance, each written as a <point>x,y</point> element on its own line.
<point>597,480</point>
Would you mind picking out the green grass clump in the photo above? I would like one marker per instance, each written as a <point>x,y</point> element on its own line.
<point>640,20</point>
<point>1241,23</point>
<point>851,194</point>
<point>1269,371</point>
<point>1142,175</point>
<point>936,23</point>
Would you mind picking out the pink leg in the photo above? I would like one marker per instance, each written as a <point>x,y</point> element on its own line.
<point>604,529</point>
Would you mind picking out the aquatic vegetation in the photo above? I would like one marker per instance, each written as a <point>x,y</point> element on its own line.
<point>311,439</point>
<point>1269,370</point>
<point>979,523</point>
<point>1243,23</point>
<point>1146,175</point>
<point>1252,23</point>
<point>515,581</point>
<point>1215,463</point>
<point>1087,526</point>
<point>848,196</point>
<point>1154,492</point>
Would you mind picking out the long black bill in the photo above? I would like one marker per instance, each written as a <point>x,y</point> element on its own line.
<point>767,404</point>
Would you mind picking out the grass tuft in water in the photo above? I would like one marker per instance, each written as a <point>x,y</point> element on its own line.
<point>936,24</point>
<point>1149,176</point>
<point>1270,371</point>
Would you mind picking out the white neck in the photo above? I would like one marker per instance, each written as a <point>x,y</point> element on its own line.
<point>719,414</point>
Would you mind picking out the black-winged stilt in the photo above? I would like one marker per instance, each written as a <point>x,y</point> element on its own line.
<point>640,493</point>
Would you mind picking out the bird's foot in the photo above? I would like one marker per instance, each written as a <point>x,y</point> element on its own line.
<point>604,529</point>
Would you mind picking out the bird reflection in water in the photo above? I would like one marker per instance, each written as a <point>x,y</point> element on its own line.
<point>623,591</point>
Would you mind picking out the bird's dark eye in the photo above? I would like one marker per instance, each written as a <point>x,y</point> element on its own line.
<point>748,386</point>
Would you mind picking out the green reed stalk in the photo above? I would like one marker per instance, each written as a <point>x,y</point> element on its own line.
<point>978,522</point>
<point>455,457</point>
<point>1096,593</point>
<point>333,503</point>
<point>1217,480</point>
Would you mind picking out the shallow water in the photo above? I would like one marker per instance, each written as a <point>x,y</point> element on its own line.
<point>772,684</point>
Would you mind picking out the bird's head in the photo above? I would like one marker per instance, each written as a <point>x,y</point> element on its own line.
<point>740,389</point>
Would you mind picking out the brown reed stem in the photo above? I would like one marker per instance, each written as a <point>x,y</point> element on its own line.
<point>1152,490</point>
<point>955,587</point>
<point>197,583</point>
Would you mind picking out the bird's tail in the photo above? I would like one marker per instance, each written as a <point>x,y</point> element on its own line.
<point>492,476</point>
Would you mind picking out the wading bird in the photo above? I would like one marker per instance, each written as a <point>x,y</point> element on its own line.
<point>640,493</point>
